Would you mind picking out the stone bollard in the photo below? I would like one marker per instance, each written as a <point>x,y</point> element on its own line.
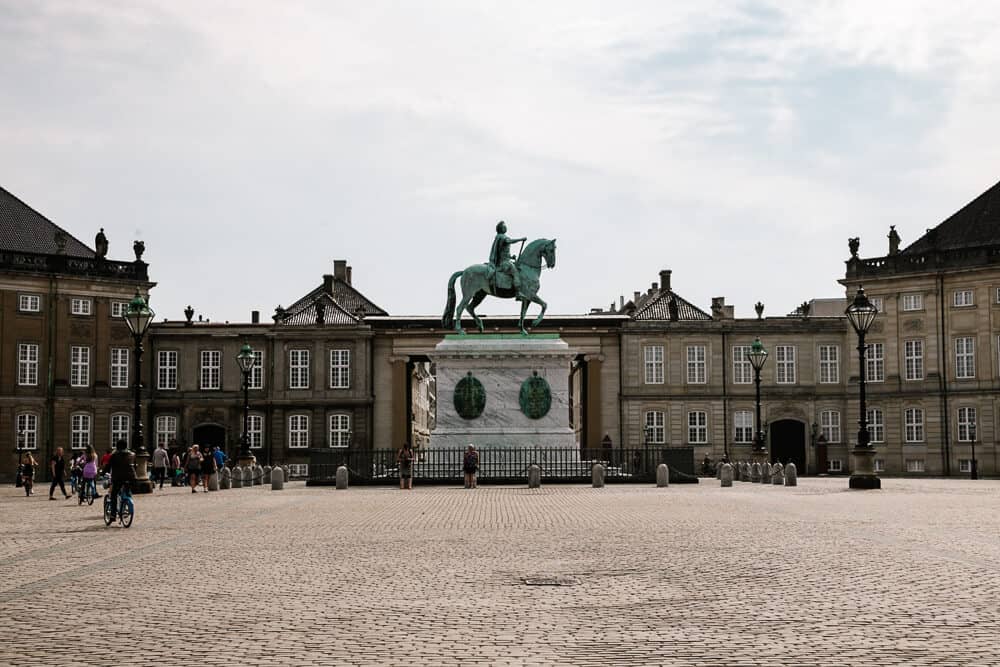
<point>777,474</point>
<point>534,476</point>
<point>718,470</point>
<point>225,478</point>
<point>237,478</point>
<point>597,476</point>
<point>259,476</point>
<point>736,472</point>
<point>213,481</point>
<point>248,476</point>
<point>726,475</point>
<point>765,473</point>
<point>267,474</point>
<point>755,473</point>
<point>662,475</point>
<point>277,478</point>
<point>342,476</point>
<point>744,472</point>
<point>791,475</point>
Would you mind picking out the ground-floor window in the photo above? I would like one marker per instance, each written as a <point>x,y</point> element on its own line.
<point>914,465</point>
<point>965,465</point>
<point>835,465</point>
<point>298,470</point>
<point>879,465</point>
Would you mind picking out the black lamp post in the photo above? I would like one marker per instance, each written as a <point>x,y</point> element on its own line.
<point>758,357</point>
<point>246,360</point>
<point>974,468</point>
<point>20,454</point>
<point>861,314</point>
<point>138,317</point>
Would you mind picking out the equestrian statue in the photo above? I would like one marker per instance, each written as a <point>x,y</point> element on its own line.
<point>504,276</point>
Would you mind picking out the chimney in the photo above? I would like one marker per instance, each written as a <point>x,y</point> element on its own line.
<point>254,317</point>
<point>729,313</point>
<point>340,270</point>
<point>718,307</point>
<point>652,287</point>
<point>328,283</point>
<point>621,302</point>
<point>665,279</point>
<point>348,275</point>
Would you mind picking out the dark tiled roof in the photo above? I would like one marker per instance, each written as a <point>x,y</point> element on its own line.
<point>656,307</point>
<point>341,307</point>
<point>23,229</point>
<point>306,313</point>
<point>976,224</point>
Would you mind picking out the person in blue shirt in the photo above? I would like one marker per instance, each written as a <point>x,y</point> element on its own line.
<point>220,457</point>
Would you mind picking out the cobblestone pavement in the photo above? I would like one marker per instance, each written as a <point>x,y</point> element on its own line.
<point>690,575</point>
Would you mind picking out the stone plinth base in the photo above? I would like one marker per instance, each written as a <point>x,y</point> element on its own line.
<point>863,476</point>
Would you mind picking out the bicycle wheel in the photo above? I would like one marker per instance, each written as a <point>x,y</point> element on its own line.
<point>90,496</point>
<point>127,511</point>
<point>108,516</point>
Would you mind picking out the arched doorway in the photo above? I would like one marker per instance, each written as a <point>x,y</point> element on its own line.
<point>788,443</point>
<point>209,435</point>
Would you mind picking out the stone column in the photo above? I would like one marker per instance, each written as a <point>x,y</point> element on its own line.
<point>400,425</point>
<point>595,421</point>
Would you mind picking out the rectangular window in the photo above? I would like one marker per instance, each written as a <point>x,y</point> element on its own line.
<point>340,430</point>
<point>119,368</point>
<point>27,364</point>
<point>298,431</point>
<point>965,465</point>
<point>743,422</point>
<point>118,309</point>
<point>913,423</point>
<point>876,425</point>
<point>697,427</point>
<point>966,424</point>
<point>878,303</point>
<point>829,364</point>
<point>696,364</point>
<point>211,369</point>
<point>913,359</point>
<point>256,379</point>
<point>742,370</point>
<point>298,369</point>
<point>340,369</point>
<point>963,297</point>
<point>914,465</point>
<point>965,358</point>
<point>79,366</point>
<point>913,302</point>
<point>998,295</point>
<point>835,465</point>
<point>879,465</point>
<point>653,355</point>
<point>80,306</point>
<point>784,359</point>
<point>120,428</point>
<point>166,369</point>
<point>298,470</point>
<point>656,432</point>
<point>29,303</point>
<point>875,363</point>
<point>255,431</point>
<point>166,429</point>
<point>27,430</point>
<point>829,421</point>
<point>79,431</point>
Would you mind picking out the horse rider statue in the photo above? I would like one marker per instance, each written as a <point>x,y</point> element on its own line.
<point>502,261</point>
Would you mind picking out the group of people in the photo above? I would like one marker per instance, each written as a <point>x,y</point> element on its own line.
<point>404,463</point>
<point>199,464</point>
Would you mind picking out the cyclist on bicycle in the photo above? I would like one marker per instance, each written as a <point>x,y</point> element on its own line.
<point>122,471</point>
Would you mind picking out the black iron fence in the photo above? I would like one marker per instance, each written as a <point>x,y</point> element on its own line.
<point>504,465</point>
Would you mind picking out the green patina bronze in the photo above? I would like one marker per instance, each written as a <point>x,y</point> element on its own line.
<point>501,277</point>
<point>502,336</point>
<point>470,397</point>
<point>535,397</point>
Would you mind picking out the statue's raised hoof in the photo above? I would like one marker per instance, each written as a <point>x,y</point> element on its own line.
<point>523,332</point>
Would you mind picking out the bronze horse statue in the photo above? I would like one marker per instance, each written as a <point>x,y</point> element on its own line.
<point>478,283</point>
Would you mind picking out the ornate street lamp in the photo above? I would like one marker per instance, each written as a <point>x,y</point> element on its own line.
<point>246,360</point>
<point>138,316</point>
<point>758,356</point>
<point>974,469</point>
<point>861,314</point>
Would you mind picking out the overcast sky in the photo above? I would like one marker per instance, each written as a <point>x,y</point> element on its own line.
<point>738,143</point>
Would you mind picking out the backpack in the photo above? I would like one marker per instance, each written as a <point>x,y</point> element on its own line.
<point>90,469</point>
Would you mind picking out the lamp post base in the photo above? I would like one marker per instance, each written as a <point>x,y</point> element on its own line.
<point>142,483</point>
<point>244,460</point>
<point>864,477</point>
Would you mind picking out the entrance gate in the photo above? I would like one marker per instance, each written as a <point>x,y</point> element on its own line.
<point>788,443</point>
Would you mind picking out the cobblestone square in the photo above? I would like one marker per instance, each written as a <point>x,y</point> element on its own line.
<point>562,575</point>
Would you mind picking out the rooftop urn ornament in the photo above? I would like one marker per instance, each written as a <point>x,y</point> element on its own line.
<point>279,313</point>
<point>853,244</point>
<point>759,307</point>
<point>101,245</point>
<point>188,314</point>
<point>893,240</point>
<point>804,309</point>
<point>138,248</point>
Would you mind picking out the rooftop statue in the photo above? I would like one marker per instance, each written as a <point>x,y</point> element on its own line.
<point>504,276</point>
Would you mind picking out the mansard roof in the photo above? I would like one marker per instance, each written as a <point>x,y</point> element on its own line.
<point>657,307</point>
<point>23,229</point>
<point>975,225</point>
<point>342,302</point>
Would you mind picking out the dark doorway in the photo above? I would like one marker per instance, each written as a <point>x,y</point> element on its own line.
<point>788,443</point>
<point>209,435</point>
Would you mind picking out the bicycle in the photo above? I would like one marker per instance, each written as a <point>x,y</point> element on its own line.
<point>126,508</point>
<point>88,491</point>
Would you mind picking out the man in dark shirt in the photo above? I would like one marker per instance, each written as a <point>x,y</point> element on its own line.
<point>57,466</point>
<point>120,465</point>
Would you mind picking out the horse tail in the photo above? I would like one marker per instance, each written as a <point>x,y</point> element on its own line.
<point>448,319</point>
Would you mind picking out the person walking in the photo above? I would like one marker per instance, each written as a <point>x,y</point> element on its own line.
<point>208,468</point>
<point>404,459</point>
<point>28,474</point>
<point>220,458</point>
<point>57,466</point>
<point>470,465</point>
<point>161,460</point>
<point>89,474</point>
<point>193,467</point>
<point>107,457</point>
<point>176,473</point>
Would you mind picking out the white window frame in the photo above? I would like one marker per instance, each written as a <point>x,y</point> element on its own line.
<point>210,370</point>
<point>298,470</point>
<point>121,428</point>
<point>835,465</point>
<point>119,367</point>
<point>166,369</point>
<point>913,359</point>
<point>913,425</point>
<point>697,422</point>
<point>743,426</point>
<point>29,303</point>
<point>878,302</point>
<point>298,431</point>
<point>79,366</point>
<point>829,424</point>
<point>997,295</point>
<point>913,302</point>
<point>166,429</point>
<point>829,364</point>
<point>965,358</point>
<point>79,306</point>
<point>876,425</point>
<point>80,425</point>
<point>653,360</point>
<point>340,368</point>
<point>298,368</point>
<point>915,465</point>
<point>966,419</point>
<point>339,430</point>
<point>784,364</point>
<point>742,368</point>
<point>27,364</point>
<point>879,465</point>
<point>28,423</point>
<point>656,426</point>
<point>963,298</point>
<point>255,430</point>
<point>965,465</point>
<point>118,309</point>
<point>256,378</point>
<point>875,362</point>
<point>697,365</point>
